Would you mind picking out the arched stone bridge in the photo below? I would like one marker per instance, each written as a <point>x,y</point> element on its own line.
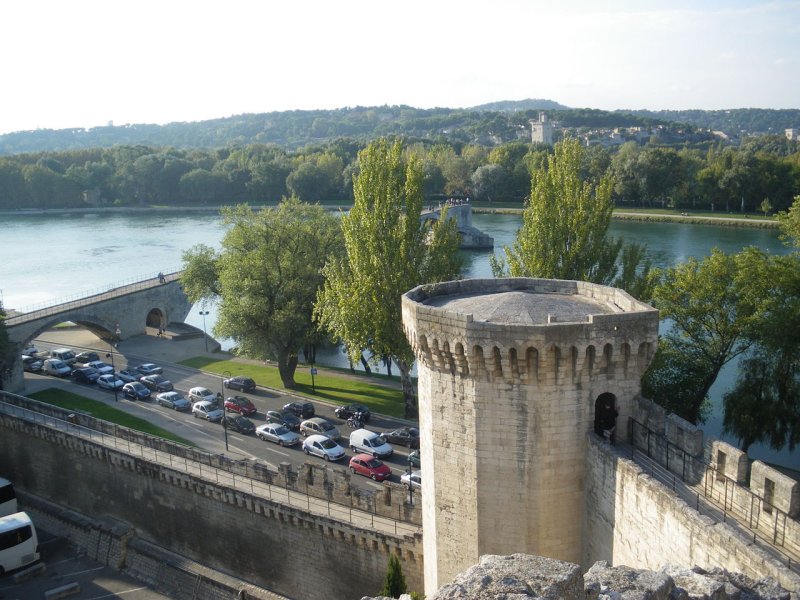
<point>113,315</point>
<point>471,237</point>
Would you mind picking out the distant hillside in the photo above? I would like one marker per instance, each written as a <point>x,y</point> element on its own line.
<point>488,124</point>
<point>734,121</point>
<point>517,105</point>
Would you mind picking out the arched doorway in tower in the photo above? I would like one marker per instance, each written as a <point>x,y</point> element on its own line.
<point>605,416</point>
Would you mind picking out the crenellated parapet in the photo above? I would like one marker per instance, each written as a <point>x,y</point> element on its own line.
<point>555,331</point>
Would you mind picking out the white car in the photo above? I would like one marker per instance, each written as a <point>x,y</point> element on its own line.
<point>278,433</point>
<point>100,367</point>
<point>208,411</point>
<point>412,480</point>
<point>109,381</point>
<point>173,400</point>
<point>57,367</point>
<point>197,394</point>
<point>320,426</point>
<point>149,369</point>
<point>322,446</point>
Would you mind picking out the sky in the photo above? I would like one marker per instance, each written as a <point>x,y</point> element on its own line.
<point>88,63</point>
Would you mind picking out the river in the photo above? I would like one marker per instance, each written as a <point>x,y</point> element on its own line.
<point>47,257</point>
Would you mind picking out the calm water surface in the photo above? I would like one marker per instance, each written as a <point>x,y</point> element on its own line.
<point>46,257</point>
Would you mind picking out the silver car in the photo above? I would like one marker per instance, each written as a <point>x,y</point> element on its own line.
<point>322,446</point>
<point>278,433</point>
<point>173,400</point>
<point>208,411</point>
<point>320,426</point>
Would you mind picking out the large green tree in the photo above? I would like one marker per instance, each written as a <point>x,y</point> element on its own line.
<point>388,252</point>
<point>713,306</point>
<point>265,278</point>
<point>564,234</point>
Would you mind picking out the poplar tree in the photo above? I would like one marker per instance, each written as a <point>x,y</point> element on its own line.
<point>394,584</point>
<point>388,251</point>
<point>564,233</point>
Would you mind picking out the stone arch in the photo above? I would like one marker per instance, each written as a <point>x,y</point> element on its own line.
<point>591,357</point>
<point>573,358</point>
<point>608,359</point>
<point>156,318</point>
<point>626,357</point>
<point>513,363</point>
<point>497,363</point>
<point>478,361</point>
<point>605,415</point>
<point>447,359</point>
<point>462,364</point>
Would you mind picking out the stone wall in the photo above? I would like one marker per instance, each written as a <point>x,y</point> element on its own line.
<point>632,519</point>
<point>278,547</point>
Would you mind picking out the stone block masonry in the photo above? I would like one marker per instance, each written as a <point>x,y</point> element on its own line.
<point>272,545</point>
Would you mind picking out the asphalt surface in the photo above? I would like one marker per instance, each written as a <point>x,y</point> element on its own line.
<point>209,436</point>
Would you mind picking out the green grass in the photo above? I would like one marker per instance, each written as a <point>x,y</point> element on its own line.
<point>327,386</point>
<point>98,410</point>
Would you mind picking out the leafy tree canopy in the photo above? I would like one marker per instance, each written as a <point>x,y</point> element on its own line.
<point>388,251</point>
<point>265,278</point>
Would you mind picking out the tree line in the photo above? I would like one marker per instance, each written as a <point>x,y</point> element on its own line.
<point>721,178</point>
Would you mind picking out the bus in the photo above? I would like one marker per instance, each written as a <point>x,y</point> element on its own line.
<point>8,499</point>
<point>19,544</point>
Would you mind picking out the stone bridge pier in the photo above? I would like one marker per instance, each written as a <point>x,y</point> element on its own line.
<point>114,315</point>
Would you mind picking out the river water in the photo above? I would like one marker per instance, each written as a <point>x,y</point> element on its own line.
<point>48,257</point>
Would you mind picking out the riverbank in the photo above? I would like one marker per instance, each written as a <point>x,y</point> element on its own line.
<point>755,222</point>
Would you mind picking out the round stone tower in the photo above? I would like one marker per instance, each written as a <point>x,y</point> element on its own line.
<point>513,375</point>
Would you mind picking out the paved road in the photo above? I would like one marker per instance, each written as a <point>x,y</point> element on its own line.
<point>209,436</point>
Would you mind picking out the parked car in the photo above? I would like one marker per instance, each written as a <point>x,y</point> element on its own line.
<point>136,390</point>
<point>109,381</point>
<point>241,405</point>
<point>239,424</point>
<point>413,459</point>
<point>243,384</point>
<point>128,376</point>
<point>345,412</point>
<point>369,466</point>
<point>208,411</point>
<point>100,366</point>
<point>412,480</point>
<point>57,367</point>
<point>85,375</point>
<point>196,394</point>
<point>364,440</point>
<point>407,436</point>
<point>320,426</point>
<point>31,363</point>
<point>291,420</point>
<point>30,350</point>
<point>173,400</point>
<point>83,358</point>
<point>324,447</point>
<point>149,369</point>
<point>64,354</point>
<point>157,383</point>
<point>304,410</point>
<point>278,433</point>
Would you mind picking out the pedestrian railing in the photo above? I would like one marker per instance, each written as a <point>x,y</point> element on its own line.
<point>222,476</point>
<point>701,485</point>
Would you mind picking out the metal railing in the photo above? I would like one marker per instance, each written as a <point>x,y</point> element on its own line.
<point>712,493</point>
<point>145,280</point>
<point>356,516</point>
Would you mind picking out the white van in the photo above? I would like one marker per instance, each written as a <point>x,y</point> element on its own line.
<point>369,442</point>
<point>8,499</point>
<point>65,354</point>
<point>57,367</point>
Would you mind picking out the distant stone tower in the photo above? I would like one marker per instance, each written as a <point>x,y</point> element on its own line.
<point>513,375</point>
<point>542,130</point>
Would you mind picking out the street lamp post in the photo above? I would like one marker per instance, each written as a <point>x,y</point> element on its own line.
<point>225,375</point>
<point>203,313</point>
<point>110,355</point>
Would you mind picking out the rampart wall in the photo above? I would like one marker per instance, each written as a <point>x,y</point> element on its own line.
<point>279,547</point>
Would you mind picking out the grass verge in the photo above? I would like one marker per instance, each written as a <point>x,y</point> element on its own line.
<point>98,410</point>
<point>337,389</point>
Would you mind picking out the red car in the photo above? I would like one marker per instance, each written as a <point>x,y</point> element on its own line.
<point>369,466</point>
<point>240,405</point>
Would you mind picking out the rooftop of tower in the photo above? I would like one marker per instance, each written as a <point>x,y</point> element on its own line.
<point>523,301</point>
